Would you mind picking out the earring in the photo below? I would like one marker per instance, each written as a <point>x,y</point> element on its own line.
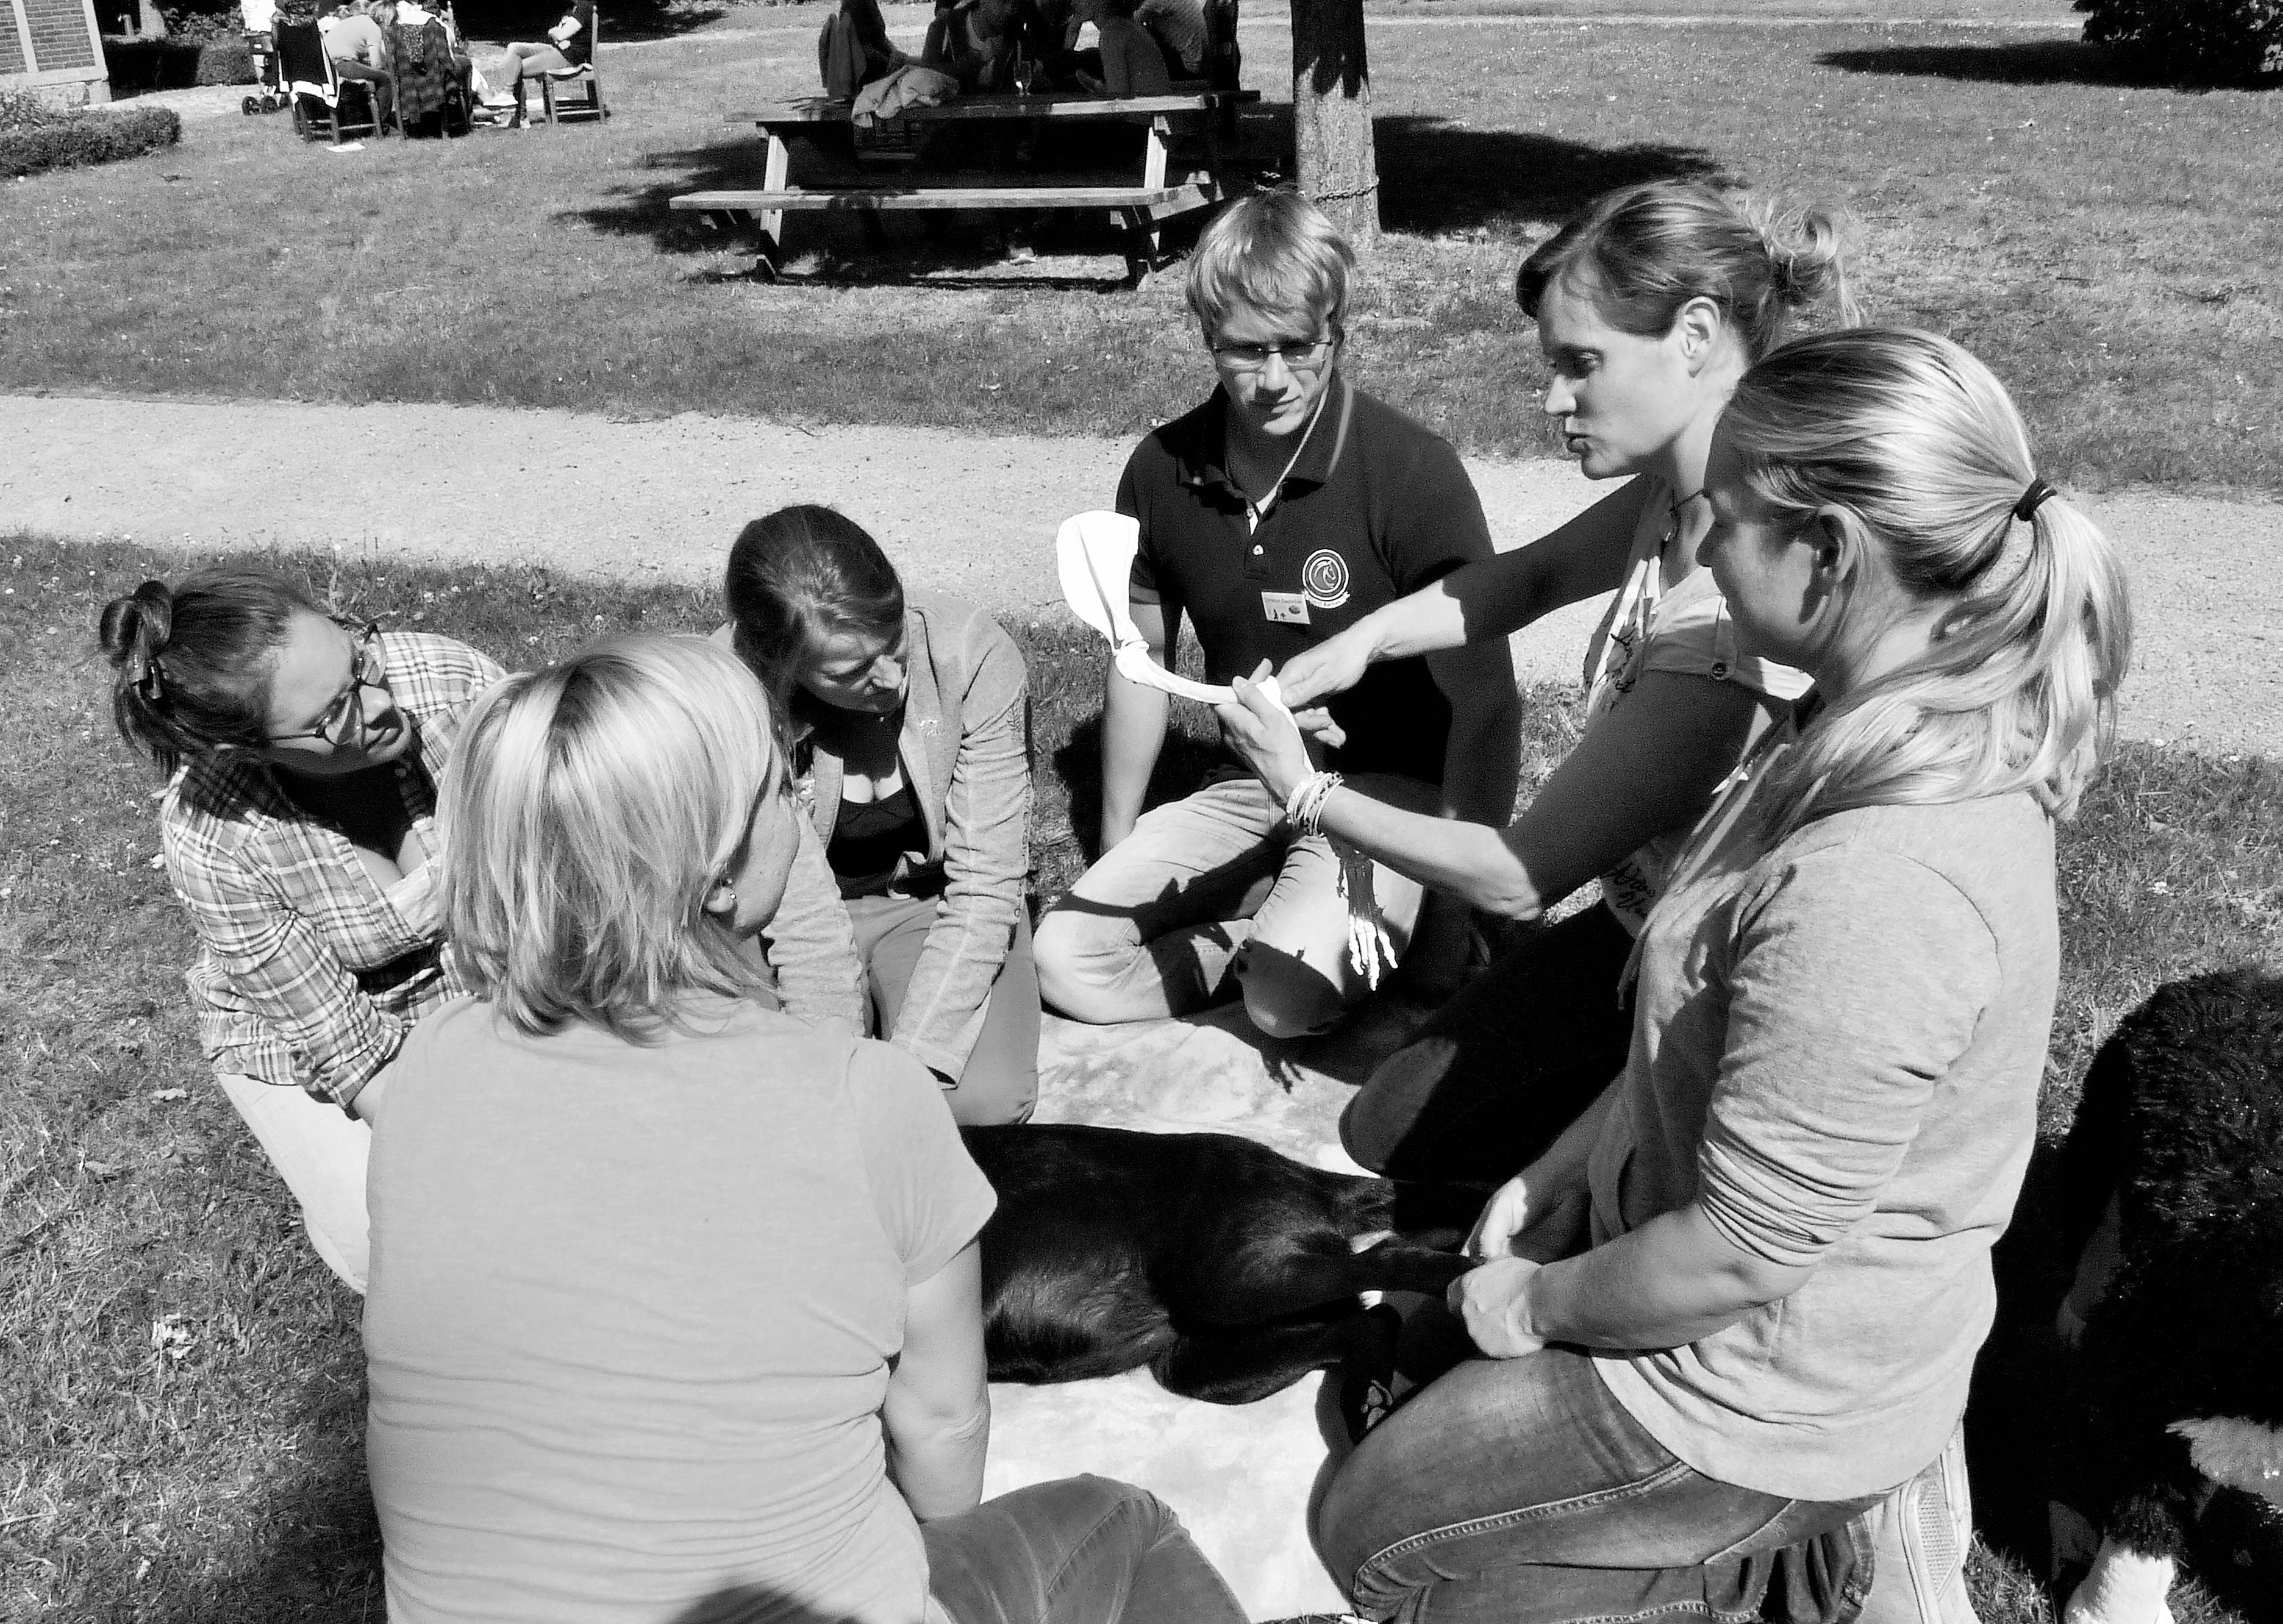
<point>728,893</point>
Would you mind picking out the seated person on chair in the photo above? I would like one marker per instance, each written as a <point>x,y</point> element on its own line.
<point>1283,510</point>
<point>570,47</point>
<point>359,50</point>
<point>1131,65</point>
<point>676,1306</point>
<point>412,14</point>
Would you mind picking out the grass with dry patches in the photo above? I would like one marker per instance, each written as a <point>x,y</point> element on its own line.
<point>2105,242</point>
<point>181,1389</point>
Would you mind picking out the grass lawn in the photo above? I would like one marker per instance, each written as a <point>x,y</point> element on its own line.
<point>181,1391</point>
<point>2105,242</point>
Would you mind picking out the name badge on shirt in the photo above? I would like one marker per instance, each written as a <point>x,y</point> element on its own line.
<point>1288,608</point>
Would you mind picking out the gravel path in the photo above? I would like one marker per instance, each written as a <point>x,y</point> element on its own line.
<point>973,515</point>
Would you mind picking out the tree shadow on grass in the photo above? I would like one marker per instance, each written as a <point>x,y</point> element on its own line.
<point>2033,62</point>
<point>1437,175</point>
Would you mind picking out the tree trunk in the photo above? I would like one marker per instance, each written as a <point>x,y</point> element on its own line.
<point>1331,116</point>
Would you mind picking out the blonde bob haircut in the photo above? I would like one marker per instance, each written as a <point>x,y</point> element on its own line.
<point>1916,439</point>
<point>591,809</point>
<point>1273,254</point>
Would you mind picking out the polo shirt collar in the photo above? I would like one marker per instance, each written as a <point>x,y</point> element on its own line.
<point>1203,460</point>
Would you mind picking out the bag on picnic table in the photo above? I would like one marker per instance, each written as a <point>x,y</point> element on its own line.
<point>909,86</point>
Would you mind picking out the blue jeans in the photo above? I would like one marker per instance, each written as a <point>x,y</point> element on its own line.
<point>1080,1550</point>
<point>1519,1492</point>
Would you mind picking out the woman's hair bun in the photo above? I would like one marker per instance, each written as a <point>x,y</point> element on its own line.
<point>1807,258</point>
<point>137,626</point>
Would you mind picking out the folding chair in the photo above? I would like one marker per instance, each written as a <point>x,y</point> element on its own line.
<point>316,90</point>
<point>591,107</point>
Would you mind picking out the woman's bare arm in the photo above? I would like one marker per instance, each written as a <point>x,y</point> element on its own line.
<point>1584,557</point>
<point>938,1411</point>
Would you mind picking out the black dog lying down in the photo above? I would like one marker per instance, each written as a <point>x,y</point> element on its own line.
<point>1228,1270</point>
<point>2182,1125</point>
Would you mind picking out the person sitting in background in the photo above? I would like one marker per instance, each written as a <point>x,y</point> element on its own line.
<point>852,48</point>
<point>570,45</point>
<point>359,50</point>
<point>1131,62</point>
<point>412,14</point>
<point>1178,28</point>
<point>676,1305</point>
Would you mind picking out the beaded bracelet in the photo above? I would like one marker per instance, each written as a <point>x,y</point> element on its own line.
<point>1304,807</point>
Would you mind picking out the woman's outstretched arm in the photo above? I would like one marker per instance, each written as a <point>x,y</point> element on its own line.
<point>1490,599</point>
<point>1649,765</point>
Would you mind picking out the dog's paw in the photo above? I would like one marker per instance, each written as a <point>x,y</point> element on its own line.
<point>2124,1587</point>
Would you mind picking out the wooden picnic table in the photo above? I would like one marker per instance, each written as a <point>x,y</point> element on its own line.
<point>1141,207</point>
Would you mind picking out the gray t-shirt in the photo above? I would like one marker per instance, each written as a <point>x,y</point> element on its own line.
<point>1837,1052</point>
<point>631,1311</point>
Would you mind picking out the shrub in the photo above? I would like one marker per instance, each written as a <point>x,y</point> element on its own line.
<point>226,61</point>
<point>26,110</point>
<point>87,138</point>
<point>2216,40</point>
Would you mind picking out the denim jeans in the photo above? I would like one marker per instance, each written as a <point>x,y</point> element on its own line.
<point>1495,1074</point>
<point>1519,1492</point>
<point>1080,1550</point>
<point>1001,1083</point>
<point>1213,889</point>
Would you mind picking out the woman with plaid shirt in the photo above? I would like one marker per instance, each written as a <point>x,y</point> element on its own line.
<point>298,828</point>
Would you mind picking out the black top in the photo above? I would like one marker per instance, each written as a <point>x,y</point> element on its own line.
<point>869,837</point>
<point>579,49</point>
<point>1377,505</point>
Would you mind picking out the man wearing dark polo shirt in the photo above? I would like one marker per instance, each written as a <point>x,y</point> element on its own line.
<point>1281,511</point>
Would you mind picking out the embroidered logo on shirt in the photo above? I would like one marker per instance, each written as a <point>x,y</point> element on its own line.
<point>1324,579</point>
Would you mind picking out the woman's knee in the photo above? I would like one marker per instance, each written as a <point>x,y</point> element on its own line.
<point>1283,996</point>
<point>1389,1105</point>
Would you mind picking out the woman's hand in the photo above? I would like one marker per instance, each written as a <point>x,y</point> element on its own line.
<point>1544,1225</point>
<point>1490,1298</point>
<point>1332,666</point>
<point>1267,736</point>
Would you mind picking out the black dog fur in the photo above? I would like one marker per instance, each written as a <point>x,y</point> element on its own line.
<point>1227,1269</point>
<point>2182,1118</point>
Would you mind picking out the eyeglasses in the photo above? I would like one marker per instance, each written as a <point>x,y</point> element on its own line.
<point>344,719</point>
<point>1299,354</point>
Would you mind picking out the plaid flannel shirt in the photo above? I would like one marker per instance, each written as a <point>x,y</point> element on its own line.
<point>306,974</point>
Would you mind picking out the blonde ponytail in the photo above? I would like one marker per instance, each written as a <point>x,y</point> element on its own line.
<point>1915,438</point>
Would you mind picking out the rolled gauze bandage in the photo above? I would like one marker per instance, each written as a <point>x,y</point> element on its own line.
<point>1094,553</point>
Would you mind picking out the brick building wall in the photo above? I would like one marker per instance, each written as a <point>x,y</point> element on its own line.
<point>64,56</point>
<point>59,37</point>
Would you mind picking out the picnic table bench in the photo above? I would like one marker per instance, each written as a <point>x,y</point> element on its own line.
<point>1140,206</point>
